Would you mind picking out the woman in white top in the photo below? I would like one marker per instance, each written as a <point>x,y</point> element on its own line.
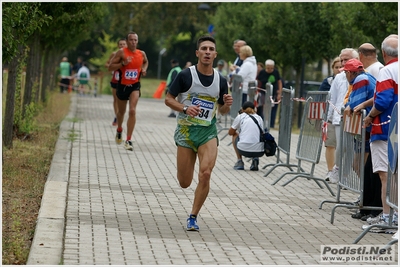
<point>248,70</point>
<point>246,136</point>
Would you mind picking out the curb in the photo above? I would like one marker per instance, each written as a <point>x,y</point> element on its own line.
<point>47,244</point>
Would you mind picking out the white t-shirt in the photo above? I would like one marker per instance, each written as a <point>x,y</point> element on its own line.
<point>338,91</point>
<point>83,70</point>
<point>249,133</point>
<point>374,69</point>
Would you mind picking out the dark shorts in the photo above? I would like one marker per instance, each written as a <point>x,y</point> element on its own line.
<point>65,82</point>
<point>114,85</point>
<point>249,154</point>
<point>124,91</point>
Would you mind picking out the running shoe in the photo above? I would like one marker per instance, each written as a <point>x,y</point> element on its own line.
<point>254,164</point>
<point>374,220</point>
<point>114,123</point>
<point>328,174</point>
<point>396,235</point>
<point>334,177</point>
<point>239,165</point>
<point>395,220</point>
<point>128,145</point>
<point>366,217</point>
<point>379,220</point>
<point>118,138</point>
<point>192,224</point>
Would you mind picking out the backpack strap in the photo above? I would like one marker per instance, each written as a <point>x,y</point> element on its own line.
<point>255,121</point>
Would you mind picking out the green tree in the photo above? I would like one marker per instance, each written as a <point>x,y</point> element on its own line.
<point>73,23</point>
<point>168,22</point>
<point>377,20</point>
<point>109,47</point>
<point>20,21</point>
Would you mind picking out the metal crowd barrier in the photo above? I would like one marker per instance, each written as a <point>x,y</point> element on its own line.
<point>285,131</point>
<point>392,179</point>
<point>352,162</point>
<point>236,105</point>
<point>268,104</point>
<point>237,95</point>
<point>310,141</point>
<point>251,91</point>
<point>75,86</point>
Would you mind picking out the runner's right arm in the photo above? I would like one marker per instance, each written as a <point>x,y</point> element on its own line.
<point>116,61</point>
<point>109,59</point>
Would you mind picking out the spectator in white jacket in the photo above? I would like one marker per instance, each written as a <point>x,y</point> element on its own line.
<point>83,76</point>
<point>338,91</point>
<point>248,70</point>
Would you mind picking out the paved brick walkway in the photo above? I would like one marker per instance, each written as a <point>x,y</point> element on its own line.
<point>126,207</point>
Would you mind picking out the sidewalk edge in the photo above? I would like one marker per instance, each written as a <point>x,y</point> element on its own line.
<point>47,244</point>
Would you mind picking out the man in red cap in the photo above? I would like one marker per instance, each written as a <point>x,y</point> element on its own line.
<point>338,91</point>
<point>362,86</point>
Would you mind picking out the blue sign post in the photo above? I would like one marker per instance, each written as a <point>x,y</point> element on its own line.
<point>393,140</point>
<point>211,30</point>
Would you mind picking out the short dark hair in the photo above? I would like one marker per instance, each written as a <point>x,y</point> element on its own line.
<point>174,61</point>
<point>122,39</point>
<point>205,38</point>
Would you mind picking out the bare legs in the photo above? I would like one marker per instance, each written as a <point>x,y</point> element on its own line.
<point>133,100</point>
<point>186,160</point>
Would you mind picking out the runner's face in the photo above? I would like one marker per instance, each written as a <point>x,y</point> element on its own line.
<point>122,44</point>
<point>132,41</point>
<point>206,53</point>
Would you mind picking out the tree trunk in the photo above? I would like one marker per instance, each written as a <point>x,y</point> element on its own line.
<point>29,81</point>
<point>10,100</point>
<point>53,73</point>
<point>38,69</point>
<point>45,75</point>
<point>32,80</point>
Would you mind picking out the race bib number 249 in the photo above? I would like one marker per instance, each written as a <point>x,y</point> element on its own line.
<point>131,74</point>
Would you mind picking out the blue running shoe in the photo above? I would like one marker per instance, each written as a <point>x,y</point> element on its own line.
<point>239,165</point>
<point>192,224</point>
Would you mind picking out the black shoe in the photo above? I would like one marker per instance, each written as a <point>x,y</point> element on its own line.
<point>365,217</point>
<point>254,165</point>
<point>357,215</point>
<point>172,115</point>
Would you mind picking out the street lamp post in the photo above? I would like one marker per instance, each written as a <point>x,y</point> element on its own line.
<point>204,6</point>
<point>160,54</point>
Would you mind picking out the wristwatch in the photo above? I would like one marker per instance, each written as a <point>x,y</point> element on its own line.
<point>185,109</point>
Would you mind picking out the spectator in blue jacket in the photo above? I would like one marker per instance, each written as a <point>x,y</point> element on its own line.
<point>385,97</point>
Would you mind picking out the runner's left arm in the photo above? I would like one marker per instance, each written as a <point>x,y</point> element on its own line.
<point>145,64</point>
<point>225,100</point>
